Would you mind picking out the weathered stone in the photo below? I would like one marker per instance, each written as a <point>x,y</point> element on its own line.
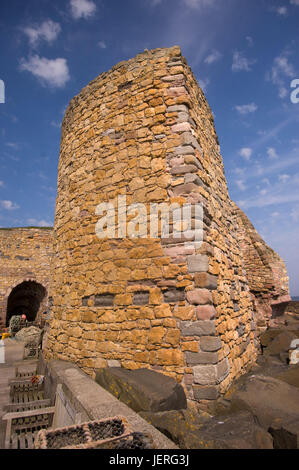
<point>205,393</point>
<point>174,295</point>
<point>199,297</point>
<point>198,328</point>
<point>205,280</point>
<point>206,312</point>
<point>285,433</point>
<point>211,374</point>
<point>210,343</point>
<point>143,389</point>
<point>281,343</point>
<point>31,335</point>
<point>198,263</point>
<point>202,358</point>
<point>141,298</point>
<point>238,431</point>
<point>104,300</point>
<point>268,399</point>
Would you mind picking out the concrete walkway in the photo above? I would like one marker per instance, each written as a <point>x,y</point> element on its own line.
<point>11,351</point>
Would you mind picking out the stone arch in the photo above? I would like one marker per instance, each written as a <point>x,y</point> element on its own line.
<point>25,297</point>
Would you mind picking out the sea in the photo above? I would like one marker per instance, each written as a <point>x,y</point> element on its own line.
<point>295,298</point>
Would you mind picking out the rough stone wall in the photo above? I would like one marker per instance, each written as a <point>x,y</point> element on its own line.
<point>25,255</point>
<point>266,273</point>
<point>145,130</point>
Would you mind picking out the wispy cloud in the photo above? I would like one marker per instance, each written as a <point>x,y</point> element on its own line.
<point>46,31</point>
<point>203,83</point>
<point>271,152</point>
<point>1,184</point>
<point>282,72</point>
<point>214,56</point>
<point>82,9</point>
<point>199,3</point>
<point>247,108</point>
<point>102,44</point>
<point>8,205</point>
<point>242,63</point>
<point>241,185</point>
<point>50,72</point>
<point>246,153</point>
<point>39,223</point>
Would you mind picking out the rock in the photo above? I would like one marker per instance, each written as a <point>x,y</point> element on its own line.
<point>176,424</point>
<point>290,376</point>
<point>267,398</point>
<point>285,434</point>
<point>31,335</point>
<point>238,431</point>
<point>294,356</point>
<point>143,389</point>
<point>280,344</point>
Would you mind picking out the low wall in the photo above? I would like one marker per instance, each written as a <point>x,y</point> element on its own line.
<point>80,399</point>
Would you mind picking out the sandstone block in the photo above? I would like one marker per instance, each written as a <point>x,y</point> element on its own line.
<point>198,263</point>
<point>198,328</point>
<point>199,297</point>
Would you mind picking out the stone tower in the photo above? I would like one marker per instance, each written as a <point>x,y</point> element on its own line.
<point>144,130</point>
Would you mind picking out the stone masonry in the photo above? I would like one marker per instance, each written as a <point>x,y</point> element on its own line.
<point>265,271</point>
<point>25,257</point>
<point>144,130</point>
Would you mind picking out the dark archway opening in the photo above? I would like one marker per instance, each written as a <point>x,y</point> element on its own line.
<point>26,298</point>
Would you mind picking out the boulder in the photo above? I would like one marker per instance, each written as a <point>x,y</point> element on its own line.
<point>280,344</point>
<point>267,398</point>
<point>31,335</point>
<point>176,424</point>
<point>143,389</point>
<point>290,376</point>
<point>268,336</point>
<point>285,433</point>
<point>236,431</point>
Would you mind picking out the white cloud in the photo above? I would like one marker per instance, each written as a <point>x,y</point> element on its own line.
<point>294,2</point>
<point>199,3</point>
<point>213,57</point>
<point>1,184</point>
<point>38,223</point>
<point>282,70</point>
<point>51,72</point>
<point>284,178</point>
<point>280,10</point>
<point>247,108</point>
<point>275,214</point>
<point>250,41</point>
<point>241,185</point>
<point>241,63</point>
<point>203,83</point>
<point>82,8</point>
<point>8,205</point>
<point>102,44</point>
<point>246,153</point>
<point>12,145</point>
<point>271,152</point>
<point>47,31</point>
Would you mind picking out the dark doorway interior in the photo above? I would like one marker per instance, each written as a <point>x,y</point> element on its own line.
<point>25,298</point>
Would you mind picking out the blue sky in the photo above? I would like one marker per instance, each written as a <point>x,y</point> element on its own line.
<point>244,54</point>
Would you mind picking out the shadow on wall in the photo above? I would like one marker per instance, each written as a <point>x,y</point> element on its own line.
<point>25,298</point>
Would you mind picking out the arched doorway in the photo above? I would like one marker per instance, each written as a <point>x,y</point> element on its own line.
<point>26,298</point>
